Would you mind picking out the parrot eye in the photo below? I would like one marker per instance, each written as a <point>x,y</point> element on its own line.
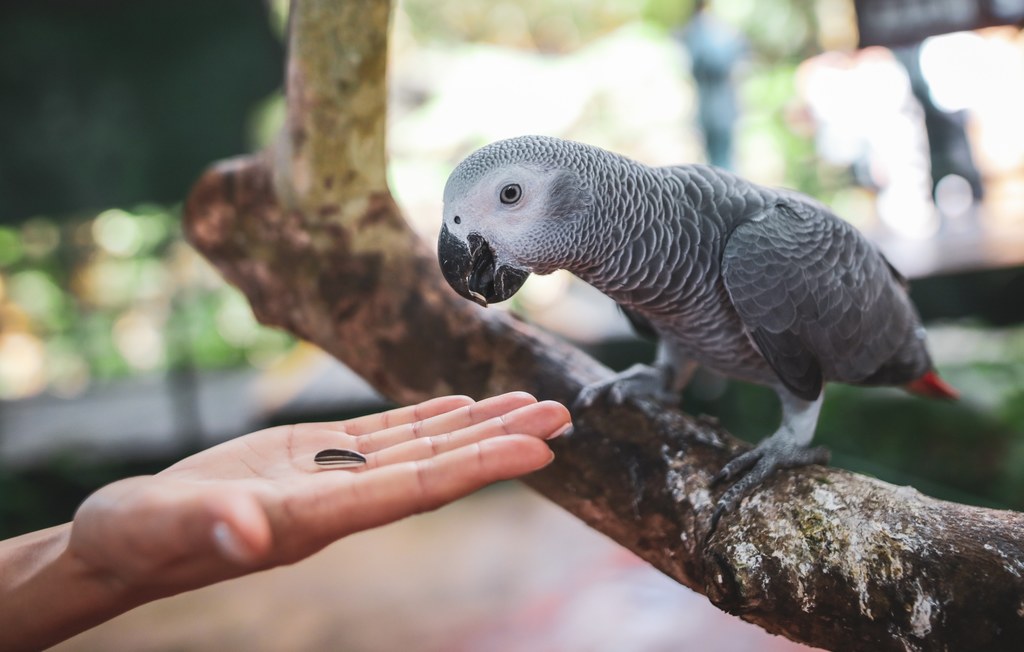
<point>458,220</point>
<point>510,194</point>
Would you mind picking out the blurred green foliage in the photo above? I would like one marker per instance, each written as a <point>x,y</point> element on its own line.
<point>115,294</point>
<point>122,104</point>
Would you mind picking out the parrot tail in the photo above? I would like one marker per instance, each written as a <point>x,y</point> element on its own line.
<point>932,386</point>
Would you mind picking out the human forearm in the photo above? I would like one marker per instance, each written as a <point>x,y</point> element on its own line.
<point>46,595</point>
<point>256,502</point>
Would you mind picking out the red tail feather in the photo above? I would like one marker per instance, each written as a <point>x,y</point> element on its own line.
<point>932,386</point>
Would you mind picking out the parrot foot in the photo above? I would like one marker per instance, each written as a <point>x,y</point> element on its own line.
<point>638,382</point>
<point>753,467</point>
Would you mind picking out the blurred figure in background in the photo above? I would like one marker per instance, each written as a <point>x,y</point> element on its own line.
<point>715,48</point>
<point>948,145</point>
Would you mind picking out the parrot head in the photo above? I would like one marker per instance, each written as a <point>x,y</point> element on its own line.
<point>507,214</point>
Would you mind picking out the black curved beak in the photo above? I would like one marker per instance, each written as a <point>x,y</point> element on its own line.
<point>470,269</point>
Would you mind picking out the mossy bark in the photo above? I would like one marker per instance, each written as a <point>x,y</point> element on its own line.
<point>310,233</point>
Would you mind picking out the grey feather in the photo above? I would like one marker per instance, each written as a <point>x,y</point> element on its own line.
<point>820,301</point>
<point>759,284</point>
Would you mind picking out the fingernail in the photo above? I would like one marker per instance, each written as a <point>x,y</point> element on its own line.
<point>549,461</point>
<point>229,545</point>
<point>564,430</point>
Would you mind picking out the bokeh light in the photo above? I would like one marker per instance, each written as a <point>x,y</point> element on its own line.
<point>23,372</point>
<point>111,294</point>
<point>117,232</point>
<point>39,237</point>
<point>138,335</point>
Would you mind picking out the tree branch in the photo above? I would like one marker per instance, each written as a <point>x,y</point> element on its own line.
<point>310,233</point>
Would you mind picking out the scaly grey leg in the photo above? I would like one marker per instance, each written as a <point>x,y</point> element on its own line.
<point>785,448</point>
<point>663,381</point>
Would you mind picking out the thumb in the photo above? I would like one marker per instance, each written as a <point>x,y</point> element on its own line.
<point>238,528</point>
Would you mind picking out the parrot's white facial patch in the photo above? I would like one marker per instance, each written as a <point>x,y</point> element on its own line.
<point>505,206</point>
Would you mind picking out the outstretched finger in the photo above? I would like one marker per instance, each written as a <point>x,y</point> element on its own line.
<point>401,416</point>
<point>450,421</point>
<point>542,420</point>
<point>341,505</point>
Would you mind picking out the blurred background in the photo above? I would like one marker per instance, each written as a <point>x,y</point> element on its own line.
<point>121,350</point>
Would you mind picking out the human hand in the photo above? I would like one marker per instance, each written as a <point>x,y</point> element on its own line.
<point>260,500</point>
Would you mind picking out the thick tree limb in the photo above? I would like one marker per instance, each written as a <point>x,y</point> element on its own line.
<point>312,236</point>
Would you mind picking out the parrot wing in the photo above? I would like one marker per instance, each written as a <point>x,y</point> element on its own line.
<point>818,300</point>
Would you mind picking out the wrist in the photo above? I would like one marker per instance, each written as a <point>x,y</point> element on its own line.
<point>49,594</point>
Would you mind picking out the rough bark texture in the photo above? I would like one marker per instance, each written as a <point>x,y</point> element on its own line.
<point>311,234</point>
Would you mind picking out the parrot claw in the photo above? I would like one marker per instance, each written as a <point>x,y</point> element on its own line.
<point>639,382</point>
<point>753,467</point>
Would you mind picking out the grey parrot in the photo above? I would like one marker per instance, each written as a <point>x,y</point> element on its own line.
<point>764,285</point>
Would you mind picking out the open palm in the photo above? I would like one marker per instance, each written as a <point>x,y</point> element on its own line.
<point>260,500</point>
